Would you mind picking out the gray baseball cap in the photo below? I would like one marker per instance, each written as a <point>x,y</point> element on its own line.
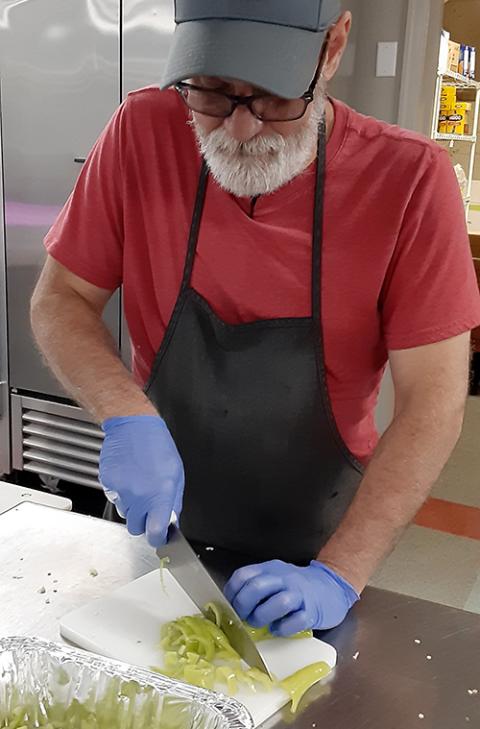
<point>273,44</point>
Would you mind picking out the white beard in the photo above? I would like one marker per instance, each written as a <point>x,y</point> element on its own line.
<point>264,163</point>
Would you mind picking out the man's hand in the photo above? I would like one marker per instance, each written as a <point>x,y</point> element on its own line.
<point>142,474</point>
<point>290,599</point>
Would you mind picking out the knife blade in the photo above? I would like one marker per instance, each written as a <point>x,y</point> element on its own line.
<point>190,574</point>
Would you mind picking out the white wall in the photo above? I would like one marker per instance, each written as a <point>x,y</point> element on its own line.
<point>356,83</point>
<point>386,403</point>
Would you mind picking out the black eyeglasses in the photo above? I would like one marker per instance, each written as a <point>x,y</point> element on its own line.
<point>264,107</point>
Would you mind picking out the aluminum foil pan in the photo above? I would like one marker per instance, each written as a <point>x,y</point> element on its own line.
<point>52,680</point>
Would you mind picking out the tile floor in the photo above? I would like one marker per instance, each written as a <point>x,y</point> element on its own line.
<point>438,558</point>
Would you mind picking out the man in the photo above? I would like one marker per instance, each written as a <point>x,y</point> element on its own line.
<point>266,286</point>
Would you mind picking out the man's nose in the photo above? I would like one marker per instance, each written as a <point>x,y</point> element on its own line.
<point>242,125</point>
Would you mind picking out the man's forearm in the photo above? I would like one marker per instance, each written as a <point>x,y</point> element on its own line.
<point>406,464</point>
<point>82,354</point>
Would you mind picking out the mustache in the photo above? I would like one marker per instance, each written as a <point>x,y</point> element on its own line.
<point>261,145</point>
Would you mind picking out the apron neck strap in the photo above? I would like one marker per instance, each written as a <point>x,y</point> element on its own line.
<point>195,226</point>
<point>317,233</point>
<point>318,222</point>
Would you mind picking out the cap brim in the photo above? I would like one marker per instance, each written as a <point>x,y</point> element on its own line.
<point>279,59</point>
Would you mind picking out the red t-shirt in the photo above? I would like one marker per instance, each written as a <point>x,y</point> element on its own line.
<point>397,267</point>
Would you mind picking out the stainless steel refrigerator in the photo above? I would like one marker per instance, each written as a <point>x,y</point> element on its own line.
<point>65,65</point>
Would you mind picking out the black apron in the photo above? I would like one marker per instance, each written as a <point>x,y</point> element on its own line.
<point>267,473</point>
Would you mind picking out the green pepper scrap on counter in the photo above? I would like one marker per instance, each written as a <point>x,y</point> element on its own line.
<point>198,652</point>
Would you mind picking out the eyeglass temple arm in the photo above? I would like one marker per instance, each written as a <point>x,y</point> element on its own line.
<point>321,63</point>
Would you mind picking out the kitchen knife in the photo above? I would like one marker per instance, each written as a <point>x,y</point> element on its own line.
<point>190,574</point>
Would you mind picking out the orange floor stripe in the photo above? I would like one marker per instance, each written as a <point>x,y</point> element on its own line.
<point>446,516</point>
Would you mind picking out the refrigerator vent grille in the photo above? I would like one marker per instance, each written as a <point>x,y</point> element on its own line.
<point>54,445</point>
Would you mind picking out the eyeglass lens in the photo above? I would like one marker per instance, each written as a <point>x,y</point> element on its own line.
<point>268,108</point>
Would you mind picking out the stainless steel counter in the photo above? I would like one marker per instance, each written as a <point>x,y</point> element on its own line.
<point>12,495</point>
<point>403,663</point>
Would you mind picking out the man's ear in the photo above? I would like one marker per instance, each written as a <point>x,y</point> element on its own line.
<point>337,43</point>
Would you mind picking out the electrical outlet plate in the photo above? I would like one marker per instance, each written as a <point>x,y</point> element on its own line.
<point>387,59</point>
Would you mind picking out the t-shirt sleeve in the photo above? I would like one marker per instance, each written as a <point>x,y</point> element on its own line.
<point>87,236</point>
<point>430,292</point>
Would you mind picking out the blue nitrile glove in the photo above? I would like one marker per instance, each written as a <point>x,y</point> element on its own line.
<point>290,599</point>
<point>142,474</point>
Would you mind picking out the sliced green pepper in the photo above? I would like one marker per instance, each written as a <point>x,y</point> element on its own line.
<point>198,651</point>
<point>300,682</point>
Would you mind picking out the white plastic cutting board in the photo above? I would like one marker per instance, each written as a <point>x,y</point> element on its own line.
<point>126,626</point>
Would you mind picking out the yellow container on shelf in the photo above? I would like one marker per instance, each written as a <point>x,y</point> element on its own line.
<point>448,98</point>
<point>451,121</point>
<point>463,109</point>
<point>442,123</point>
<point>456,122</point>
